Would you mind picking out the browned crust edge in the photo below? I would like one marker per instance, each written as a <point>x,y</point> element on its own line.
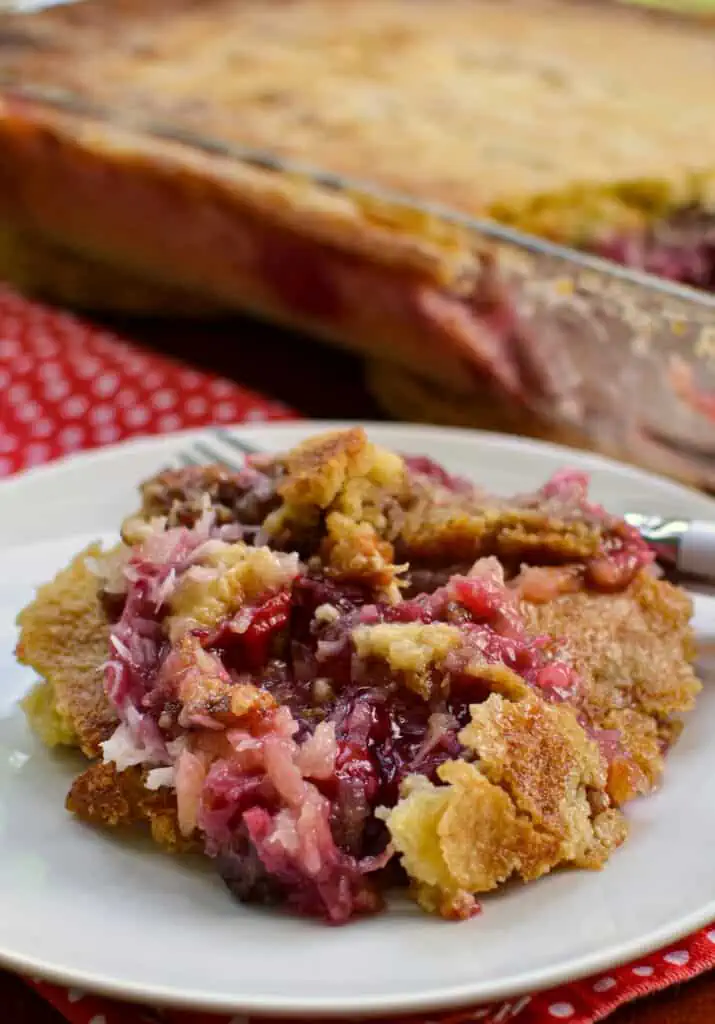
<point>280,249</point>
<point>64,637</point>
<point>355,223</point>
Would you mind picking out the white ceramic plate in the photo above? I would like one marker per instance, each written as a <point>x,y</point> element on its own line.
<point>104,913</point>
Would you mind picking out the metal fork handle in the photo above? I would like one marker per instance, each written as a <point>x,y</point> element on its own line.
<point>687,545</point>
<point>696,553</point>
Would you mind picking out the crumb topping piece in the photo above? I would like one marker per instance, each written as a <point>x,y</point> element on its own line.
<point>521,808</point>
<point>410,649</point>
<point>340,472</point>
<point>64,636</point>
<point>224,579</point>
<point>633,652</point>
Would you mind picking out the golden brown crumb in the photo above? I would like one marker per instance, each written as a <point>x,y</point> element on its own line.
<point>632,651</point>
<point>435,531</point>
<point>64,637</point>
<point>500,679</point>
<point>353,551</point>
<point>319,467</point>
<point>343,472</point>
<point>410,649</point>
<point>104,796</point>
<point>541,756</point>
<point>522,808</point>
<point>205,691</point>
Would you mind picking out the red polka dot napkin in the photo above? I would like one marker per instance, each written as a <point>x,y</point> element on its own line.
<point>66,386</point>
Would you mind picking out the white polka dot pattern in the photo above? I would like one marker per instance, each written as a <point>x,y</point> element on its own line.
<point>678,957</point>
<point>561,1011</point>
<point>604,984</point>
<point>65,386</point>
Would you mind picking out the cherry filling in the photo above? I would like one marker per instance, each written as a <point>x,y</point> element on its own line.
<point>285,795</point>
<point>432,470</point>
<point>380,733</point>
<point>623,554</point>
<point>680,247</point>
<point>249,648</point>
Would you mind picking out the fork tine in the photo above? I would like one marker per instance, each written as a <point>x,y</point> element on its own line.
<point>185,459</point>
<point>208,453</point>
<point>216,446</point>
<point>235,442</point>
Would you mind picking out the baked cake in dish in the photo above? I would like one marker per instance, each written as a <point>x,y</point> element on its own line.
<point>553,116</point>
<point>340,671</point>
<point>151,158</point>
<point>500,108</point>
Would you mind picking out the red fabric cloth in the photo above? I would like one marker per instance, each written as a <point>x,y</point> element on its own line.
<point>66,386</point>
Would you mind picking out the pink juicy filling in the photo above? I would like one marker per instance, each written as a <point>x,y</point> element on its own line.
<point>285,804</point>
<point>680,248</point>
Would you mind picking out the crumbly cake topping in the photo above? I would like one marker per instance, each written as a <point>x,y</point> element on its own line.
<point>360,507</point>
<point>221,581</point>
<point>633,653</point>
<point>410,649</point>
<point>522,808</point>
<point>341,473</point>
<point>64,636</point>
<point>317,673</point>
<point>495,97</point>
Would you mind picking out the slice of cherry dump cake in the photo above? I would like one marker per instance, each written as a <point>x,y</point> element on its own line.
<point>341,670</point>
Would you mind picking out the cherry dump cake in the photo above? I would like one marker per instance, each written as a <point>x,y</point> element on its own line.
<point>341,671</point>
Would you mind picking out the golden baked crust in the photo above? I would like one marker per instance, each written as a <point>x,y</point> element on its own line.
<point>522,808</point>
<point>502,102</point>
<point>104,796</point>
<point>633,649</point>
<point>633,652</point>
<point>340,471</point>
<point>64,637</point>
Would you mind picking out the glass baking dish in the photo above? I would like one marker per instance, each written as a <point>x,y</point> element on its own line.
<point>457,313</point>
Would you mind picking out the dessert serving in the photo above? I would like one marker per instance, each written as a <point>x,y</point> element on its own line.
<point>341,671</point>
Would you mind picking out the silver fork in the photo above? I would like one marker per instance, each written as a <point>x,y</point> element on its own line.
<point>219,445</point>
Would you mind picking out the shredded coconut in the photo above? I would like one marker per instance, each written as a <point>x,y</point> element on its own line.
<point>160,777</point>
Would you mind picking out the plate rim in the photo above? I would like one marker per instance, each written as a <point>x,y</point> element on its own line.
<point>453,996</point>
